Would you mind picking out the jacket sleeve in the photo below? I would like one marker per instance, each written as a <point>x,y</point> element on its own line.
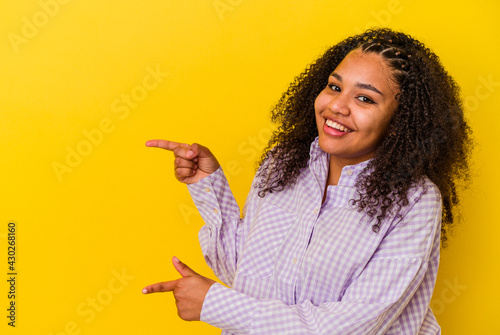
<point>398,270</point>
<point>222,237</point>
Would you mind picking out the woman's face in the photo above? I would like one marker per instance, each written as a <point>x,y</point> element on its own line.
<point>355,108</point>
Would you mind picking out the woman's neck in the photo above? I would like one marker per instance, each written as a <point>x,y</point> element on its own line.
<point>335,170</point>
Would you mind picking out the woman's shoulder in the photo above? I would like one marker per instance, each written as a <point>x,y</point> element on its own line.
<point>425,188</point>
<point>424,196</point>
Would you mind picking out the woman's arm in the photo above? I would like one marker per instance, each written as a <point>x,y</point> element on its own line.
<point>196,166</point>
<point>222,236</point>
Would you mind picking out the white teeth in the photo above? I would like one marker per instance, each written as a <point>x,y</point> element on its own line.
<point>333,124</point>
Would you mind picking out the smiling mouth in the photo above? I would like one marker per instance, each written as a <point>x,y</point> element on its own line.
<point>337,126</point>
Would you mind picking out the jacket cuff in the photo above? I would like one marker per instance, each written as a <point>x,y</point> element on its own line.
<point>228,309</point>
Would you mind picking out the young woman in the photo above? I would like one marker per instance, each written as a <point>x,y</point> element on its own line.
<point>342,227</point>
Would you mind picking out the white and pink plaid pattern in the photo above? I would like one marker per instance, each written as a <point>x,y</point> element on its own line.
<point>297,266</point>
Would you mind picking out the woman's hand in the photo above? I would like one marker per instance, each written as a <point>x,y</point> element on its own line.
<point>189,291</point>
<point>192,162</point>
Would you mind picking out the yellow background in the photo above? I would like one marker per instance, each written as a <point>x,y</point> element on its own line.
<point>90,236</point>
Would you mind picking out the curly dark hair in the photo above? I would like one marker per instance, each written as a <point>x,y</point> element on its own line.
<point>427,136</point>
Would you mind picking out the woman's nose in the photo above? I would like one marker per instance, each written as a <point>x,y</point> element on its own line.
<point>338,104</point>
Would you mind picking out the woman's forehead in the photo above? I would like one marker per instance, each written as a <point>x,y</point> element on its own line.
<point>367,68</point>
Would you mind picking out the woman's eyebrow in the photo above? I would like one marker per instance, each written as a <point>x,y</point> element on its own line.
<point>360,85</point>
<point>369,87</point>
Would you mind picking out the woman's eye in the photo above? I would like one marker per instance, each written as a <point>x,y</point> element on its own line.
<point>366,99</point>
<point>334,87</point>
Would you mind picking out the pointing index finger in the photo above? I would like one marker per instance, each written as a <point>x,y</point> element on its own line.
<point>164,144</point>
<point>166,286</point>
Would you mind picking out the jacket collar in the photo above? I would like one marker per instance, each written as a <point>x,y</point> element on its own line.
<point>320,160</point>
